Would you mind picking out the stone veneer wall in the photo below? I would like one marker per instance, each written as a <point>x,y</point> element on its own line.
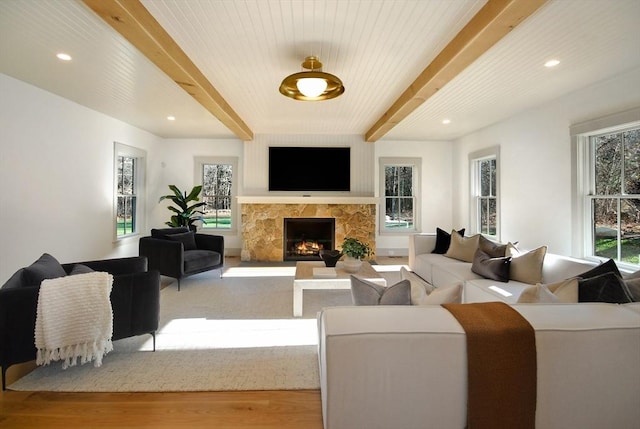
<point>263,225</point>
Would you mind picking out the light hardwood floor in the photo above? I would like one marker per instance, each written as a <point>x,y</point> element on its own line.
<point>238,410</point>
<point>220,410</point>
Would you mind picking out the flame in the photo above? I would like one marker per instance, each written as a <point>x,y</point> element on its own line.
<point>307,247</point>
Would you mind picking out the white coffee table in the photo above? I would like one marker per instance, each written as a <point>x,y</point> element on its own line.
<point>304,280</point>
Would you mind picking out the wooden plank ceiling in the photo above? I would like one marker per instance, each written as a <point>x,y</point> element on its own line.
<point>489,25</point>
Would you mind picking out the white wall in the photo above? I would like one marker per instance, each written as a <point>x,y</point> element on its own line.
<point>435,188</point>
<point>56,177</point>
<point>535,155</point>
<point>174,162</point>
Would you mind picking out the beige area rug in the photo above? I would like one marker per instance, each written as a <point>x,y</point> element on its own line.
<point>236,332</point>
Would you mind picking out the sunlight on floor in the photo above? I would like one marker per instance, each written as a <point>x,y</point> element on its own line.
<point>388,268</point>
<point>259,272</point>
<point>201,334</point>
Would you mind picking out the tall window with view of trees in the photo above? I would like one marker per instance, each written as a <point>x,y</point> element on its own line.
<point>486,196</point>
<point>126,195</point>
<point>217,181</point>
<point>615,195</point>
<point>400,199</point>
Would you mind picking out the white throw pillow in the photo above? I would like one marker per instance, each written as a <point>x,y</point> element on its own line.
<point>420,289</point>
<point>526,267</point>
<point>537,294</point>
<point>451,294</point>
<point>565,291</point>
<point>463,248</point>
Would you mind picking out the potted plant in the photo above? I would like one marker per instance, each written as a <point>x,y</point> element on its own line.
<point>354,250</point>
<point>185,214</point>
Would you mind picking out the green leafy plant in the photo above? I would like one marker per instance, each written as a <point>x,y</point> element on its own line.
<point>185,214</point>
<point>355,248</point>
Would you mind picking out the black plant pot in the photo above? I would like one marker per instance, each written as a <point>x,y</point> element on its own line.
<point>330,257</point>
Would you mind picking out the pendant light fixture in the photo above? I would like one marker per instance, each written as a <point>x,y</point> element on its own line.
<point>312,85</point>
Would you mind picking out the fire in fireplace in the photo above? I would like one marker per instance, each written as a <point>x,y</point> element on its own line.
<point>305,237</point>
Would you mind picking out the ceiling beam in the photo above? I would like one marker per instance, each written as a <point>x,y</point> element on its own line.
<point>133,21</point>
<point>494,21</point>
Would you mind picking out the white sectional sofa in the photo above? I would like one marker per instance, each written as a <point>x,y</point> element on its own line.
<point>439,270</point>
<point>404,367</point>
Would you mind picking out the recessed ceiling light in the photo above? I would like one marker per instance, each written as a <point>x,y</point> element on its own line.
<point>64,57</point>
<point>552,63</point>
<point>171,118</point>
<point>446,121</point>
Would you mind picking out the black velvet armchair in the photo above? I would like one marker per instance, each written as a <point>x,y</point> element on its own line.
<point>135,301</point>
<point>179,252</point>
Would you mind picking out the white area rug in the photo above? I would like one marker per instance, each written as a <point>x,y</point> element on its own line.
<point>231,333</point>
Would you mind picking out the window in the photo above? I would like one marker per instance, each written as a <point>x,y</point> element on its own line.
<point>400,189</point>
<point>129,167</point>
<point>218,192</point>
<point>614,195</point>
<point>484,192</point>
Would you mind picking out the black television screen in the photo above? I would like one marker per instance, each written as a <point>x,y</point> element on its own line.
<point>309,169</point>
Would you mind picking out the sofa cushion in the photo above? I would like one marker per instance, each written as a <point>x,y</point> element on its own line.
<point>607,287</point>
<point>188,239</point>
<point>458,271</point>
<point>198,260</point>
<point>425,263</point>
<point>443,240</point>
<point>364,292</point>
<point>526,267</point>
<point>462,248</point>
<point>565,291</point>
<point>491,268</point>
<point>492,248</point>
<point>483,290</point>
<point>46,267</point>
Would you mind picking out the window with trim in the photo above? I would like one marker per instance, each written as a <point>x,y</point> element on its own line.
<point>484,192</point>
<point>612,201</point>
<point>129,177</point>
<point>400,183</point>
<point>218,192</point>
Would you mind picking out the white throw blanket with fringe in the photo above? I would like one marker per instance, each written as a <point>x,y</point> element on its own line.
<point>74,319</point>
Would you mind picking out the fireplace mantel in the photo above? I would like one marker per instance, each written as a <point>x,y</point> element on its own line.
<point>299,199</point>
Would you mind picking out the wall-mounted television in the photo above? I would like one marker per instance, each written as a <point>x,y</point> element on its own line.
<point>307,169</point>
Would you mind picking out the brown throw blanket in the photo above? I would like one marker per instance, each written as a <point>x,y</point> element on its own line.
<point>501,363</point>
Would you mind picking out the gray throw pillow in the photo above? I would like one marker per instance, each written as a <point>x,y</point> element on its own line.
<point>80,269</point>
<point>46,267</point>
<point>188,239</point>
<point>365,292</point>
<point>491,268</point>
<point>491,248</point>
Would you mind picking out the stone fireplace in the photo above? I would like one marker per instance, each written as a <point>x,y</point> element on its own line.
<point>263,222</point>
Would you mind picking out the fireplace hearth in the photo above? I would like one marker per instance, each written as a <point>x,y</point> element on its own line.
<point>305,237</point>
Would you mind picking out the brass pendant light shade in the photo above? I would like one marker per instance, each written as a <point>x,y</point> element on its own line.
<point>312,85</point>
